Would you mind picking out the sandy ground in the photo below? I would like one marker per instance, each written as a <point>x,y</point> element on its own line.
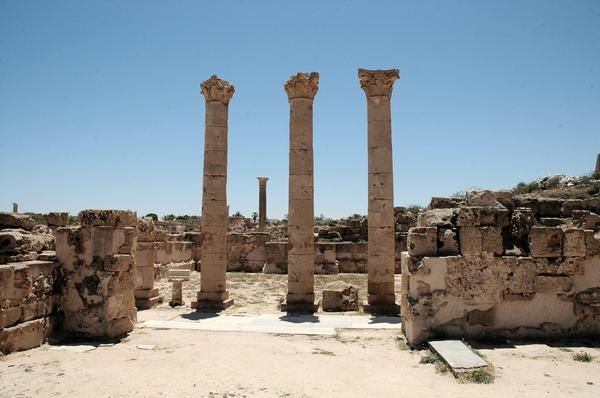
<point>261,293</point>
<point>354,363</point>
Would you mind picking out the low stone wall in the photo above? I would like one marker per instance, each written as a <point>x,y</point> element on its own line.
<point>27,282</point>
<point>498,266</point>
<point>246,252</point>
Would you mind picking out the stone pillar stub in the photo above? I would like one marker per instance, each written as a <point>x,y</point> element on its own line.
<point>262,202</point>
<point>15,207</point>
<point>213,294</point>
<point>301,89</point>
<point>377,85</point>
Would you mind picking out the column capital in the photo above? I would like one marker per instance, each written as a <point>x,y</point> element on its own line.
<point>262,180</point>
<point>215,89</point>
<point>302,85</point>
<point>378,82</point>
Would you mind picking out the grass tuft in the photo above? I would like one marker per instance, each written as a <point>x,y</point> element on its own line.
<point>479,376</point>
<point>582,356</point>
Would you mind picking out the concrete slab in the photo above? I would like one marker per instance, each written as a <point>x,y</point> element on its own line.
<point>457,355</point>
<point>321,325</point>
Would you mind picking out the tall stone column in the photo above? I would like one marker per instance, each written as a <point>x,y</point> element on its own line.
<point>15,207</point>
<point>597,171</point>
<point>262,202</point>
<point>377,85</point>
<point>301,89</point>
<point>213,294</point>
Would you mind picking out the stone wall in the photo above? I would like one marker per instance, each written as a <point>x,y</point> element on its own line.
<point>497,266</point>
<point>27,283</point>
<point>97,274</point>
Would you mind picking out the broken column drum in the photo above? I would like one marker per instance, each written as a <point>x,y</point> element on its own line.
<point>377,85</point>
<point>301,89</point>
<point>262,202</point>
<point>213,292</point>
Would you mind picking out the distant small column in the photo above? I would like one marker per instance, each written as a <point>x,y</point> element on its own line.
<point>377,85</point>
<point>16,207</point>
<point>262,202</point>
<point>213,294</point>
<point>301,90</point>
<point>598,164</point>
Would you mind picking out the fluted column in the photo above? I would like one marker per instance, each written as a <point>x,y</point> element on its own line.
<point>301,89</point>
<point>377,85</point>
<point>213,292</point>
<point>262,202</point>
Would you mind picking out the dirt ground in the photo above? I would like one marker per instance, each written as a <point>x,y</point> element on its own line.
<point>354,363</point>
<point>256,293</point>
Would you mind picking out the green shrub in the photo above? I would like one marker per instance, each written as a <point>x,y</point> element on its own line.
<point>582,356</point>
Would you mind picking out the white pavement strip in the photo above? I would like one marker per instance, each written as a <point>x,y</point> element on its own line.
<point>322,325</point>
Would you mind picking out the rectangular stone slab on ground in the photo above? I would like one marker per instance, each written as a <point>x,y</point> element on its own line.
<point>457,355</point>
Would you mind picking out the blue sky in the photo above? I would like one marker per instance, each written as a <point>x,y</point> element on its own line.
<point>100,104</point>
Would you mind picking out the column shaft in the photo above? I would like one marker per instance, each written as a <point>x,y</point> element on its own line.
<point>301,89</point>
<point>213,292</point>
<point>381,248</point>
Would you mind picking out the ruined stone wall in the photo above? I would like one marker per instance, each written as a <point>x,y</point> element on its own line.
<point>494,265</point>
<point>97,274</point>
<point>27,282</point>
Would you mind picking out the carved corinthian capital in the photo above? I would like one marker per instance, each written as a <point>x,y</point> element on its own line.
<point>215,89</point>
<point>302,85</point>
<point>378,82</point>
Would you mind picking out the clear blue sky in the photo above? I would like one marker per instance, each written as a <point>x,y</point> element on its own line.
<point>100,104</point>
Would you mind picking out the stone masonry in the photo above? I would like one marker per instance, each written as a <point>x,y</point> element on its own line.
<point>377,85</point>
<point>97,274</point>
<point>146,295</point>
<point>301,89</point>
<point>213,294</point>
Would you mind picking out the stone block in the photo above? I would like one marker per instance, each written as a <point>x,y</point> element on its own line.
<point>592,242</point>
<point>110,218</point>
<point>550,207</point>
<point>545,242</point>
<point>471,241</point>
<point>24,336</point>
<point>56,219</point>
<point>7,282</point>
<point>436,218</point>
<point>13,220</point>
<point>340,296</point>
<point>468,217</point>
<point>444,203</point>
<point>505,198</point>
<point>422,241</point>
<point>528,202</point>
<point>552,284</point>
<point>481,197</point>
<point>521,222</point>
<point>492,240</point>
<point>569,205</point>
<point>574,243</point>
<point>586,220</point>
<point>593,205</point>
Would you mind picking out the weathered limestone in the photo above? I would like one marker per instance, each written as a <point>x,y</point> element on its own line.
<point>512,275</point>
<point>340,296</point>
<point>262,202</point>
<point>97,267</point>
<point>301,89</point>
<point>597,169</point>
<point>146,295</point>
<point>15,207</point>
<point>213,294</point>
<point>377,85</point>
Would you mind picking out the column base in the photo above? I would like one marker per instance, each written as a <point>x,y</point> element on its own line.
<point>146,298</point>
<point>218,301</point>
<point>176,303</point>
<point>381,305</point>
<point>300,304</point>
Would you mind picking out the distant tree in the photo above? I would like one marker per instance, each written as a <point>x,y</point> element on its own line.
<point>153,216</point>
<point>254,216</point>
<point>168,217</point>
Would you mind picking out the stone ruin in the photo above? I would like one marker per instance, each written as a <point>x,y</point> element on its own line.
<point>498,266</point>
<point>488,265</point>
